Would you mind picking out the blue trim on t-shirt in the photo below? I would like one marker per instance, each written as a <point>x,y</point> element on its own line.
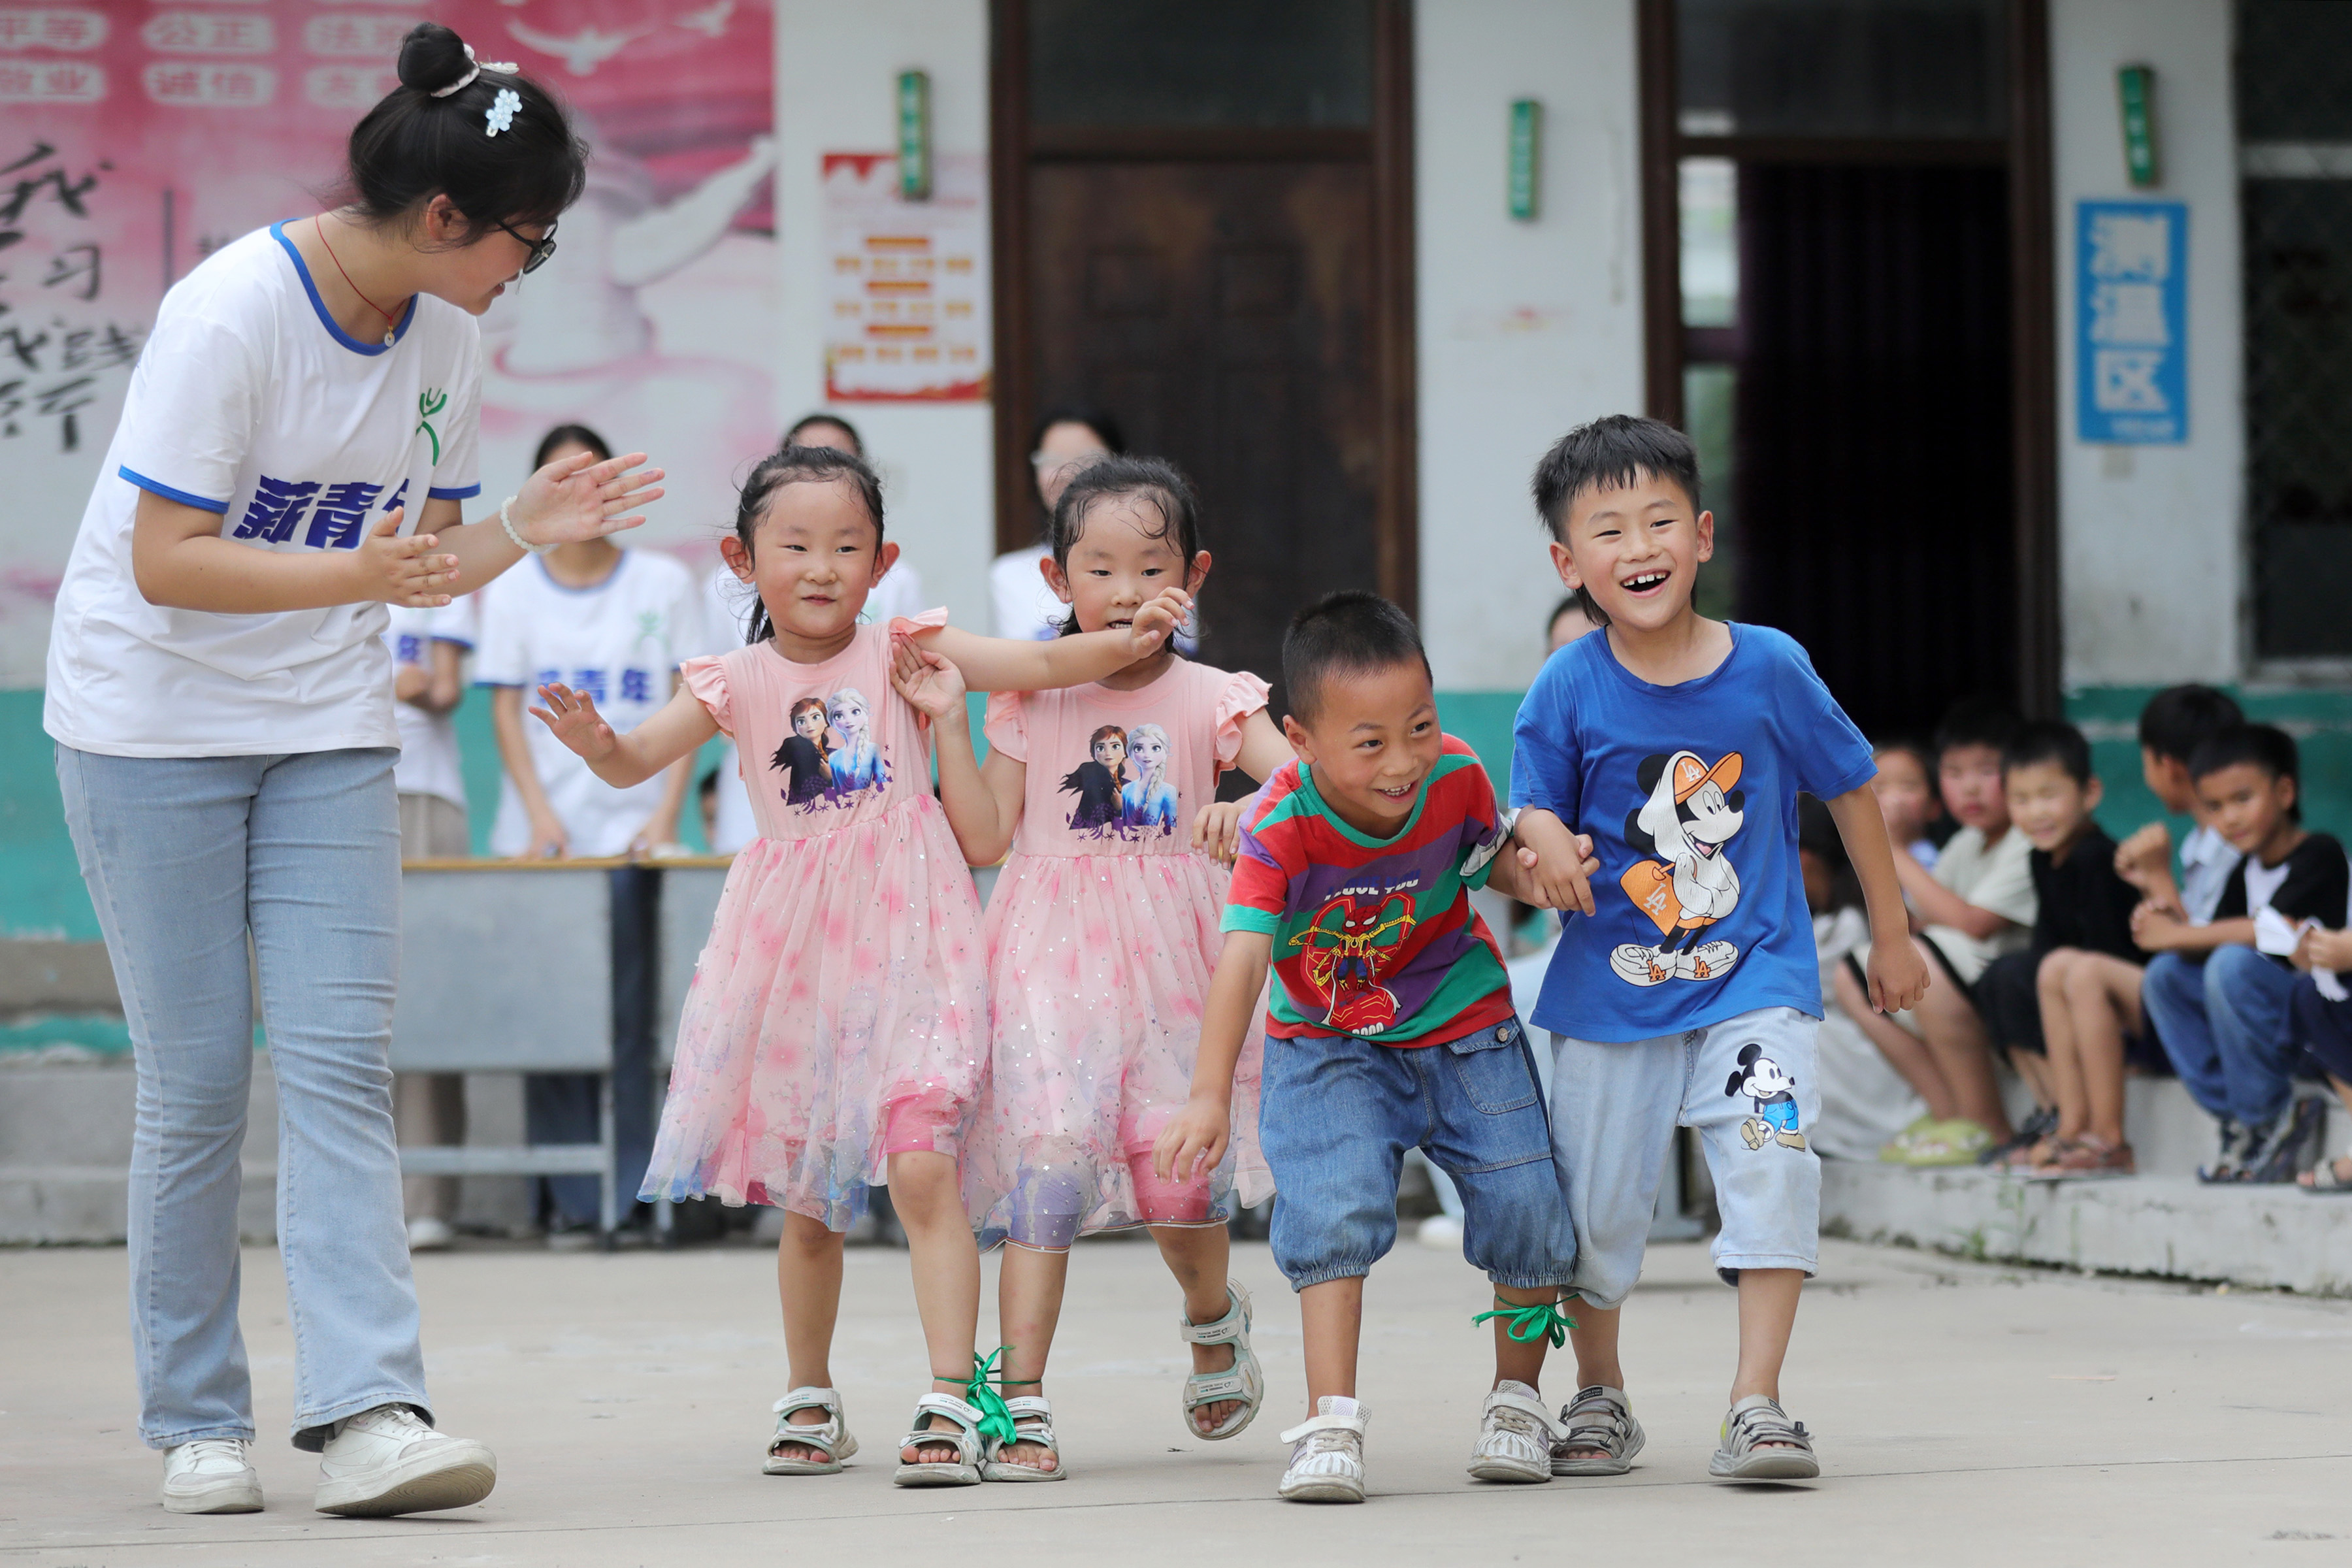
<point>460,492</point>
<point>277,232</point>
<point>156,487</point>
<point>609,579</point>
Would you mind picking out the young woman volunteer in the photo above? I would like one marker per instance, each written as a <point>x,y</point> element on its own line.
<point>221,698</point>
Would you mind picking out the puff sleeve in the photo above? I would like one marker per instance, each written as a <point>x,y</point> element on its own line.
<point>706,678</point>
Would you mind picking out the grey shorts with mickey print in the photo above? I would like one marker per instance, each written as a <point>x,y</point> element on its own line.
<point>1749,1086</point>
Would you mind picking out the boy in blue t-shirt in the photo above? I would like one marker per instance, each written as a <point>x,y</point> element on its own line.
<point>1671,748</point>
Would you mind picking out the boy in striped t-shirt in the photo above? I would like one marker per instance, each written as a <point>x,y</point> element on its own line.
<point>1391,1027</point>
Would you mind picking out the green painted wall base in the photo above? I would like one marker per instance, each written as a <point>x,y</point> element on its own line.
<point>41,892</point>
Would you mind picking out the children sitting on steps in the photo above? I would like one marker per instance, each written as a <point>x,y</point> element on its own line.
<point>1673,748</point>
<point>1391,1027</point>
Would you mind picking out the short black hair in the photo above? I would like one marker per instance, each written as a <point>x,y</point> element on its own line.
<point>792,436</point>
<point>1616,449</point>
<point>1976,721</point>
<point>2179,718</point>
<point>1118,477</point>
<point>2049,741</point>
<point>1099,420</point>
<point>2266,746</point>
<point>569,436</point>
<point>1348,632</point>
<point>416,143</point>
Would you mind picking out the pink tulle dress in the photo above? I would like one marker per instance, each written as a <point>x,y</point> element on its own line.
<point>1102,934</point>
<point>838,1011</point>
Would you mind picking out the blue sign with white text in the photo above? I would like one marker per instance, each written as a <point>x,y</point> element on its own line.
<point>2131,321</point>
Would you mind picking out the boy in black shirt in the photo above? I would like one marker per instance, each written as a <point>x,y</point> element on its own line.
<point>2225,1025</point>
<point>2087,970</point>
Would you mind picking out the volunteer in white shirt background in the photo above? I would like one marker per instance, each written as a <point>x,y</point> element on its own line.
<point>729,603</point>
<point>1066,440</point>
<point>221,698</point>
<point>428,653</point>
<point>614,623</point>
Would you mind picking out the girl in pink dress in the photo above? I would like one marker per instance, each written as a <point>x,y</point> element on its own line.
<point>836,1035</point>
<point>1102,934</point>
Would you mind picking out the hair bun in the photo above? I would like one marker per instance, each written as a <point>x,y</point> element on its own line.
<point>431,58</point>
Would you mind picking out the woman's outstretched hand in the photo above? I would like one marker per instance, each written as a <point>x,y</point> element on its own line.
<point>573,716</point>
<point>413,571</point>
<point>577,498</point>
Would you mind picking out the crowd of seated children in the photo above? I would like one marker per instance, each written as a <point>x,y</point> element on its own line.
<point>2066,1009</point>
<point>1976,906</point>
<point>2319,1014</point>
<point>2218,993</point>
<point>1905,787</point>
<point>1864,1101</point>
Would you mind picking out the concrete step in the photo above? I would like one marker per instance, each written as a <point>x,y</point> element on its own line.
<point>2170,1225</point>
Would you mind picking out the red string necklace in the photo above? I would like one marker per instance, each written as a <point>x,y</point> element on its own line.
<point>390,325</point>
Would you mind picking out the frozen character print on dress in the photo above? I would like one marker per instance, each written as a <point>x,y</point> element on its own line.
<point>1097,782</point>
<point>1690,814</point>
<point>1146,801</point>
<point>1354,939</point>
<point>857,762</point>
<point>801,756</point>
<point>1772,1096</point>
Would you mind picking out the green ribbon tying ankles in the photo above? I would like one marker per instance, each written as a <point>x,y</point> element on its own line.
<point>1529,1324</point>
<point>995,1415</point>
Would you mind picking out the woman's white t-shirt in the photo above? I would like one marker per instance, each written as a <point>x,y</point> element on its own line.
<point>250,403</point>
<point>428,762</point>
<point>620,641</point>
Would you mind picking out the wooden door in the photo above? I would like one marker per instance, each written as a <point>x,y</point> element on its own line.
<point>1223,311</point>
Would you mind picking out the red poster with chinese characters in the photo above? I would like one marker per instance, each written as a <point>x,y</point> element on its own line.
<point>136,136</point>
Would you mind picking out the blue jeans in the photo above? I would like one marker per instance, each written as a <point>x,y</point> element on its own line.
<point>184,857</point>
<point>2224,1025</point>
<point>1336,1116</point>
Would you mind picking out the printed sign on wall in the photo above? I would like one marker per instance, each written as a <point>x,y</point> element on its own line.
<point>906,282</point>
<point>137,139</point>
<point>2131,307</point>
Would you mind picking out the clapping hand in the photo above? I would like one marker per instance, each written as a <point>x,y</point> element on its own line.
<point>410,572</point>
<point>578,497</point>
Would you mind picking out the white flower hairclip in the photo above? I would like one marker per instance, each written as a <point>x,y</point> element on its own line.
<point>476,69</point>
<point>503,110</point>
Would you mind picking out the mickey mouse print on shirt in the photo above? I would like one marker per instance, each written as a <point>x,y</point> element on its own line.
<point>829,756</point>
<point>1692,811</point>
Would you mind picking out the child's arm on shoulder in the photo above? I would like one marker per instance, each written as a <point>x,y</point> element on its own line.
<point>1554,864</point>
<point>1195,1137</point>
<point>982,801</point>
<point>1217,826</point>
<point>621,761</point>
<point>1898,975</point>
<point>1005,664</point>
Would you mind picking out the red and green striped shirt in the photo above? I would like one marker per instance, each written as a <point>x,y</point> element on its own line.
<point>1374,937</point>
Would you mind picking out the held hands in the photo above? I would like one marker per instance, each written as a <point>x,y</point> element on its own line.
<point>1193,1141</point>
<point>2323,950</point>
<point>929,681</point>
<point>577,498</point>
<point>1899,973</point>
<point>1557,866</point>
<point>399,571</point>
<point>1217,830</point>
<point>573,716</point>
<point>1156,622</point>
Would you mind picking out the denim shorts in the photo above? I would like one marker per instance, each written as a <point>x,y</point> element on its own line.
<point>1336,1116</point>
<point>1749,1087</point>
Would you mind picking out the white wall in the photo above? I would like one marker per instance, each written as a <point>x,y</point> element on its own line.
<point>836,74</point>
<point>2152,558</point>
<point>1525,329</point>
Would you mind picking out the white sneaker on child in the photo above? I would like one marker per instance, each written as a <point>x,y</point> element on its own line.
<point>1514,1435</point>
<point>211,1475</point>
<point>1327,1463</point>
<point>387,1460</point>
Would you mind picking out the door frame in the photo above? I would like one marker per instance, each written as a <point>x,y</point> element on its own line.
<point>1016,146</point>
<point>2024,150</point>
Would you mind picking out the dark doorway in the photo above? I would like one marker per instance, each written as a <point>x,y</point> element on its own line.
<point>1871,431</point>
<point>1222,268</point>
<point>1846,241</point>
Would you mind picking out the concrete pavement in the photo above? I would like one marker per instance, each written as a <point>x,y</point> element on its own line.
<point>1965,1413</point>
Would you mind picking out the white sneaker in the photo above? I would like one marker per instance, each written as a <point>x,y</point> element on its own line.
<point>386,1460</point>
<point>1328,1463</point>
<point>426,1234</point>
<point>211,1475</point>
<point>1515,1436</point>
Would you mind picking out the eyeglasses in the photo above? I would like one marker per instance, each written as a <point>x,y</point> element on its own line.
<point>541,249</point>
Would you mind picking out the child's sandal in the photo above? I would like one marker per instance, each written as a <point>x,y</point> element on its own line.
<point>1033,1422</point>
<point>829,1437</point>
<point>962,1434</point>
<point>1242,1382</point>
